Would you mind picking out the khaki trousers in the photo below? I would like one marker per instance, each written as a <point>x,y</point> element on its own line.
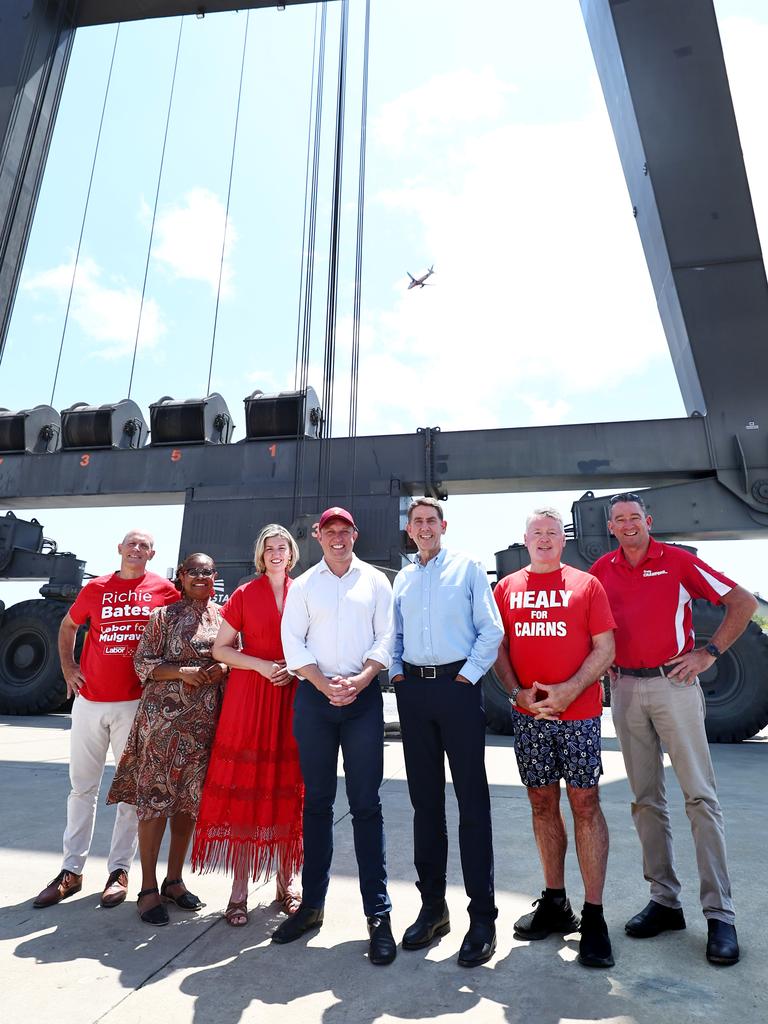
<point>649,713</point>
<point>97,725</point>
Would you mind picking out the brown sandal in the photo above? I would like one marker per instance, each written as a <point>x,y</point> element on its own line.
<point>236,913</point>
<point>288,897</point>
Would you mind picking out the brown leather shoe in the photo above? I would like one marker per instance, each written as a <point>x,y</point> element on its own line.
<point>116,889</point>
<point>63,885</point>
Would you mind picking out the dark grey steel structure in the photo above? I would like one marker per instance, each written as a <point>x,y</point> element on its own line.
<point>663,75</point>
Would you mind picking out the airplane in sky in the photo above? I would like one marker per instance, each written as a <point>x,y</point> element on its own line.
<point>419,282</point>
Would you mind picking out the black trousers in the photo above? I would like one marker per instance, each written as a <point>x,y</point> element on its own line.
<point>358,729</point>
<point>438,717</point>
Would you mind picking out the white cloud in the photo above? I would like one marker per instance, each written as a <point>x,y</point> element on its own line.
<point>444,101</point>
<point>541,290</point>
<point>189,236</point>
<point>745,44</point>
<point>542,299</point>
<point>107,313</point>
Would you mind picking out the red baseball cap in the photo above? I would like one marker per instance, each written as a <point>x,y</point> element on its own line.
<point>336,513</point>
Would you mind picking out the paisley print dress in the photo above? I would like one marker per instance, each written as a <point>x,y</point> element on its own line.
<point>163,766</point>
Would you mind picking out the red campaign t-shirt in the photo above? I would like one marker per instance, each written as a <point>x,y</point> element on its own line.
<point>118,610</point>
<point>549,619</point>
<point>652,601</point>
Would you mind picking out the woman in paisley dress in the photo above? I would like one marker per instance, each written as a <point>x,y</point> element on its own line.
<point>165,759</point>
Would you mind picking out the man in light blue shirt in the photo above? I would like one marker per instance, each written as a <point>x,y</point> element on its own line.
<point>447,635</point>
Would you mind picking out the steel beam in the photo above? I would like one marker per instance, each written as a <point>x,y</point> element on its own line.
<point>465,462</point>
<point>35,42</point>
<point>666,88</point>
<point>106,12</point>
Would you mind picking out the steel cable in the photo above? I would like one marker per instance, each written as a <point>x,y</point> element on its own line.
<point>311,235</point>
<point>154,210</point>
<point>355,358</point>
<point>85,214</point>
<point>329,358</point>
<point>229,196</point>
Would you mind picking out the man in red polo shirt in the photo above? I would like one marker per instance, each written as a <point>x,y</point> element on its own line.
<point>657,699</point>
<point>106,691</point>
<point>558,641</point>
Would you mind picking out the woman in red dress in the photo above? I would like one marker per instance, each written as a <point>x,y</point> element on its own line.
<point>250,815</point>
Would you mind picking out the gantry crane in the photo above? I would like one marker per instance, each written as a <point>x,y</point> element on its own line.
<point>665,84</point>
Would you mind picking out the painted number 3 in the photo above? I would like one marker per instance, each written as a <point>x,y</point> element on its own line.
<point>85,459</point>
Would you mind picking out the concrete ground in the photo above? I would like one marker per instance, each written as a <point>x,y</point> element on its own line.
<point>79,964</point>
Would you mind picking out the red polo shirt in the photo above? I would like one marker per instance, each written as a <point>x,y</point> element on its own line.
<point>651,601</point>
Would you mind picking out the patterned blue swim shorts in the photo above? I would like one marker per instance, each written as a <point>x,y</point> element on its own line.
<point>548,751</point>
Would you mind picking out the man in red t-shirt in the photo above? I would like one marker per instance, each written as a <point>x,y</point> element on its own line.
<point>558,641</point>
<point>656,699</point>
<point>106,694</point>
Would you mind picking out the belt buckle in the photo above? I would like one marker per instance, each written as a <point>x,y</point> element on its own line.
<point>429,672</point>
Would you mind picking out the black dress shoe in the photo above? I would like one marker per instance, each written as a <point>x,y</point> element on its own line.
<point>653,920</point>
<point>306,919</point>
<point>382,949</point>
<point>478,946</point>
<point>431,923</point>
<point>722,944</point>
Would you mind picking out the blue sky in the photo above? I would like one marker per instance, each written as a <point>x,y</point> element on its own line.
<point>490,155</point>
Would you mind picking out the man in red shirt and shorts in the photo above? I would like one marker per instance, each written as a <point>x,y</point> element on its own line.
<point>106,691</point>
<point>656,699</point>
<point>558,641</point>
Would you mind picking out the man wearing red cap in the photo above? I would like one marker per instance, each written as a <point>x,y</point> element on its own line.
<point>337,636</point>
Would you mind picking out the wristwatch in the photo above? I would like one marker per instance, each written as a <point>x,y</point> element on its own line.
<point>513,696</point>
<point>712,649</point>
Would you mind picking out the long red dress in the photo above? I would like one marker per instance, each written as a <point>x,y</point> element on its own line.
<point>250,814</point>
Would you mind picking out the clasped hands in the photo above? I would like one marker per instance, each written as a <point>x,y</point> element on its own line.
<point>202,675</point>
<point>279,676</point>
<point>342,690</point>
<point>546,700</point>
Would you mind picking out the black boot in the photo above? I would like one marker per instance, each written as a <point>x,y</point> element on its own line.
<point>306,919</point>
<point>431,923</point>
<point>382,949</point>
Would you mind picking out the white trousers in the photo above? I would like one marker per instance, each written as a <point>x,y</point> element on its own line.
<point>95,726</point>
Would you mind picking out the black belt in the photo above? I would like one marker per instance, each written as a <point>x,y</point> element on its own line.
<point>433,671</point>
<point>644,673</point>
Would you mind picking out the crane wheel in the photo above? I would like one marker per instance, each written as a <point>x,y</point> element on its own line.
<point>30,674</point>
<point>736,686</point>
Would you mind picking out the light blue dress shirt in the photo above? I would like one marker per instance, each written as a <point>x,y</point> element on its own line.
<point>445,612</point>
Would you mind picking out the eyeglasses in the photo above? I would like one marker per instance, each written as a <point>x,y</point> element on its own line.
<point>199,572</point>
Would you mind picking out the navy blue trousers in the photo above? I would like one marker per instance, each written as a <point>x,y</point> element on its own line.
<point>438,717</point>
<point>358,729</point>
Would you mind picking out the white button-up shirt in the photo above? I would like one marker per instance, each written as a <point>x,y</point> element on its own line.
<point>338,622</point>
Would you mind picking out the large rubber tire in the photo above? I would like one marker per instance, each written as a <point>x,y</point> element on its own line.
<point>31,682</point>
<point>736,687</point>
<point>498,711</point>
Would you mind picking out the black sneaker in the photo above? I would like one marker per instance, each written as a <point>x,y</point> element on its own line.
<point>595,944</point>
<point>550,915</point>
